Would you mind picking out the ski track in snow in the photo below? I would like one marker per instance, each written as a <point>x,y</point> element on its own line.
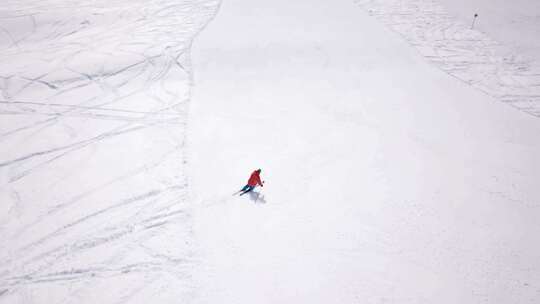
<point>465,53</point>
<point>93,103</point>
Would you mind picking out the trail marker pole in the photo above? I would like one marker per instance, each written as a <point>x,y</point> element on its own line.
<point>474,19</point>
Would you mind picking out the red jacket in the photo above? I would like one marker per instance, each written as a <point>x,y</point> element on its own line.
<point>255,179</point>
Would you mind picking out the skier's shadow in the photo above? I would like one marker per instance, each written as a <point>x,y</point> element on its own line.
<point>257,197</point>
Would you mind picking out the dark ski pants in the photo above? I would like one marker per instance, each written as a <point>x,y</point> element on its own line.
<point>246,189</point>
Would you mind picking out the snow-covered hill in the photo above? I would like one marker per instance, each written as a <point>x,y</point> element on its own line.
<point>387,180</point>
<point>502,68</point>
<point>515,25</point>
<point>92,122</point>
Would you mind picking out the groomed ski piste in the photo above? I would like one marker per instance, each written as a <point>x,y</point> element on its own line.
<point>508,69</point>
<point>126,127</point>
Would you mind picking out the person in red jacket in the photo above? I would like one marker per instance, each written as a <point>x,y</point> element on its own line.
<point>254,180</point>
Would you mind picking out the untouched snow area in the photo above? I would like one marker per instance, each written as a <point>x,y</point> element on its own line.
<point>387,180</point>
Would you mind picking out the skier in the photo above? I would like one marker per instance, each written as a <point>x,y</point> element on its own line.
<point>254,180</point>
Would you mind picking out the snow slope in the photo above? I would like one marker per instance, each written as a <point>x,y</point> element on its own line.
<point>496,67</point>
<point>516,25</point>
<point>387,180</point>
<point>93,103</point>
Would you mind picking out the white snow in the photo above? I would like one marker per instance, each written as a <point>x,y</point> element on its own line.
<point>515,25</point>
<point>497,68</point>
<point>387,180</point>
<point>93,102</point>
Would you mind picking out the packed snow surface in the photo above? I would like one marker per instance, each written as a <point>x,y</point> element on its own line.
<point>387,179</point>
<point>515,25</point>
<point>93,110</point>
<point>507,69</point>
